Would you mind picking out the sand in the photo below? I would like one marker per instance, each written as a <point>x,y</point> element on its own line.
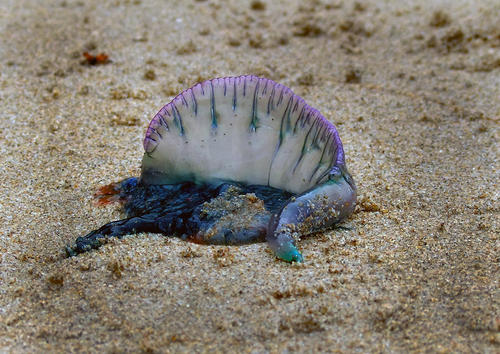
<point>413,88</point>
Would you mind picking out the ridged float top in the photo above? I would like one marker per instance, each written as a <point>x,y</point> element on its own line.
<point>245,129</point>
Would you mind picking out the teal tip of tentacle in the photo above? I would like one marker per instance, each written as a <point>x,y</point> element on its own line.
<point>289,253</point>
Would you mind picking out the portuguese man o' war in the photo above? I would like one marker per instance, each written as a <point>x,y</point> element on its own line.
<point>231,161</point>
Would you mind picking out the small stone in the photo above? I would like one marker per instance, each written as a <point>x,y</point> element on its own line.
<point>440,19</point>
<point>258,5</point>
<point>116,267</point>
<point>353,76</point>
<point>187,48</point>
<point>308,29</point>
<point>234,42</point>
<point>56,279</point>
<point>150,74</point>
<point>306,79</point>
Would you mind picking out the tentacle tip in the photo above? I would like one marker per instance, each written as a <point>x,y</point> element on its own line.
<point>290,254</point>
<point>70,252</point>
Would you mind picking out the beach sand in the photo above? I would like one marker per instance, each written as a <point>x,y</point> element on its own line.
<point>413,88</point>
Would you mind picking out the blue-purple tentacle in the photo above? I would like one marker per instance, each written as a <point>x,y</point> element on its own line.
<point>316,209</point>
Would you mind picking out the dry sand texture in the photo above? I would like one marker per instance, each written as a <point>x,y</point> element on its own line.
<point>413,87</point>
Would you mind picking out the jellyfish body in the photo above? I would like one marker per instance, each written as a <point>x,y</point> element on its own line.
<point>249,134</point>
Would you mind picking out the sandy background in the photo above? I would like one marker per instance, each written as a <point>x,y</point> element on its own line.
<point>413,88</point>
